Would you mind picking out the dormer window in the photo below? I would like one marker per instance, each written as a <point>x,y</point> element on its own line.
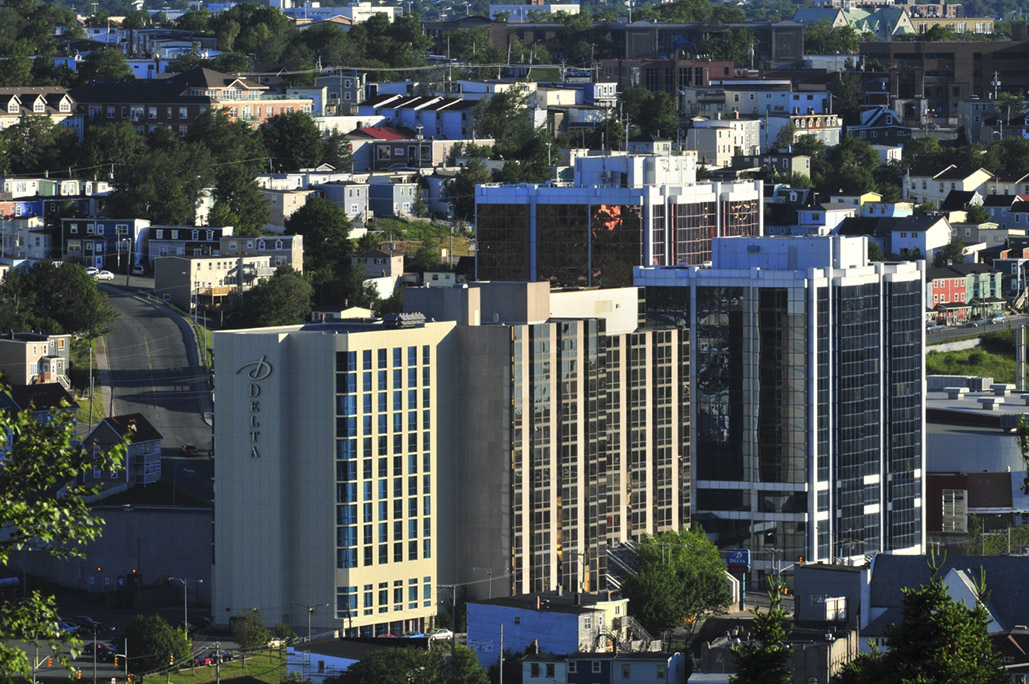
<point>39,106</point>
<point>65,105</point>
<point>12,106</point>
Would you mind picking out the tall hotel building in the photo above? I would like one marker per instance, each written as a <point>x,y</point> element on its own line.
<point>621,211</point>
<point>328,441</point>
<point>808,395</point>
<point>571,432</point>
<point>505,445</point>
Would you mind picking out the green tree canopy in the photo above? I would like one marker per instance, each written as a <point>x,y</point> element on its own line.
<point>36,144</point>
<point>249,631</point>
<point>736,44</point>
<point>156,642</point>
<point>162,185</point>
<point>103,64</point>
<point>976,213</point>
<point>407,665</point>
<point>326,231</point>
<point>681,578</point>
<point>822,38</point>
<point>953,252</point>
<point>57,298</point>
<point>651,113</point>
<point>505,118</point>
<point>38,459</point>
<point>283,299</point>
<point>294,141</point>
<point>764,657</point>
<point>462,188</point>
<point>105,146</point>
<point>937,640</point>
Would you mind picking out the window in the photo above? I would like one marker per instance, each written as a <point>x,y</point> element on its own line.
<point>626,670</point>
<point>660,671</point>
<point>955,511</point>
<point>534,670</point>
<point>596,666</point>
<point>573,666</point>
<point>518,620</point>
<point>550,670</point>
<point>39,106</point>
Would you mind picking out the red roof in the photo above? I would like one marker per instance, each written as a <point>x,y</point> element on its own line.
<point>382,133</point>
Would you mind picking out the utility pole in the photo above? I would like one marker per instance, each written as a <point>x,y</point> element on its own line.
<point>218,662</point>
<point>500,668</point>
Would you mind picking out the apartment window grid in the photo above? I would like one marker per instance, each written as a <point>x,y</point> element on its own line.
<point>542,478</point>
<point>636,468</point>
<point>568,432</point>
<point>517,455</point>
<point>355,466</point>
<point>692,226</point>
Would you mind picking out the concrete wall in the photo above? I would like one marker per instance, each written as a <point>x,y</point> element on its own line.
<point>171,542</point>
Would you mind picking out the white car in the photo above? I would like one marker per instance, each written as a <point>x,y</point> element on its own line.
<point>138,270</point>
<point>92,270</point>
<point>441,634</point>
<point>103,275</point>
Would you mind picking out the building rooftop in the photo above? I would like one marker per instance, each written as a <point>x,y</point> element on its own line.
<point>135,425</point>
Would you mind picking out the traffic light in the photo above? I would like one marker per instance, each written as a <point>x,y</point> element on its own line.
<point>78,673</point>
<point>116,661</point>
<point>130,676</point>
<point>49,662</point>
<point>171,659</point>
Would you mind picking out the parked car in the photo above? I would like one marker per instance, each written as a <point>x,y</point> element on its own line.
<point>189,449</point>
<point>69,628</point>
<point>92,270</point>
<point>202,660</point>
<point>103,275</point>
<point>138,270</point>
<point>104,652</point>
<point>441,634</point>
<point>87,623</point>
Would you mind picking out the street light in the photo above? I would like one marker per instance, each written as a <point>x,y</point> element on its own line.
<point>185,599</point>
<point>489,572</point>
<point>310,609</point>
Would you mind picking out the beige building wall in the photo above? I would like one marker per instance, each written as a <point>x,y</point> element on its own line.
<point>285,489</point>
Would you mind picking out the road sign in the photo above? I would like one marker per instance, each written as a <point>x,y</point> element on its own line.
<point>738,559</point>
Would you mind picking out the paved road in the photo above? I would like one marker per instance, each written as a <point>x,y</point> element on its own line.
<point>153,369</point>
<point>958,331</point>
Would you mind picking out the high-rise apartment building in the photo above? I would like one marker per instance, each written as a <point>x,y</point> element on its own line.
<point>504,446</point>
<point>808,395</point>
<point>571,432</point>
<point>327,472</point>
<point>621,211</point>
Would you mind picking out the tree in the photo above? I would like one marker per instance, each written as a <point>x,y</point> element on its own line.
<point>248,630</point>
<point>36,144</point>
<point>103,64</point>
<point>735,44</point>
<point>822,38</point>
<point>283,299</point>
<point>505,118</point>
<point>326,231</point>
<point>918,151</point>
<point>239,202</point>
<point>337,151</point>
<point>462,188</point>
<point>156,642</point>
<point>875,252</point>
<point>59,298</point>
<point>975,213</point>
<point>294,141</point>
<point>937,640</point>
<point>162,185</point>
<point>784,139</point>
<point>39,459</point>
<point>764,657</point>
<point>681,578</point>
<point>847,95</point>
<point>104,146</point>
<point>397,666</point>
<point>952,253</point>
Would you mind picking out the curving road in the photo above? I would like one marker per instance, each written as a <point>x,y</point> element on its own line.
<point>152,368</point>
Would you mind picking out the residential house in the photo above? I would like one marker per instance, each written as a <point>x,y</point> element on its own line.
<point>813,657</point>
<point>45,401</point>
<point>557,623</point>
<point>378,264</point>
<point>165,241</point>
<point>203,283</point>
<point>999,207</point>
<point>344,90</point>
<point>893,209</point>
<point>621,667</point>
<point>318,660</point>
<point>18,235</point>
<point>281,250</point>
<point>780,163</point>
<point>989,234</point>
<point>932,184</point>
<point>1013,264</point>
<point>978,25</point>
<point>984,288</point>
<point>647,143</point>
<point>142,453</point>
<point>880,126</point>
<point>857,201</point>
<point>884,22</point>
<point>826,128</point>
<point>718,141</point>
<point>480,89</point>
<point>995,498</point>
<point>177,101</point>
<point>392,196</point>
<point>391,155</point>
<point>1008,183</point>
<point>281,205</point>
<point>730,98</point>
<point>889,153</point>
<point>908,236</point>
<point>349,195</point>
<point>28,358</point>
<point>52,102</point>
<point>947,297</point>
<point>444,118</point>
<point>113,244</point>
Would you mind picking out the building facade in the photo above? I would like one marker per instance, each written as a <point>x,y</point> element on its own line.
<point>329,469</point>
<point>808,403</point>
<point>622,211</point>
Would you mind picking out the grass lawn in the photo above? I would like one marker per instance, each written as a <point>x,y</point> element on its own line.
<point>98,408</point>
<point>971,362</point>
<point>157,494</point>
<point>269,668</point>
<point>409,236</point>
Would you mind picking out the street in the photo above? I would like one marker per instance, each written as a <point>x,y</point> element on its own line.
<point>983,327</point>
<point>154,370</point>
